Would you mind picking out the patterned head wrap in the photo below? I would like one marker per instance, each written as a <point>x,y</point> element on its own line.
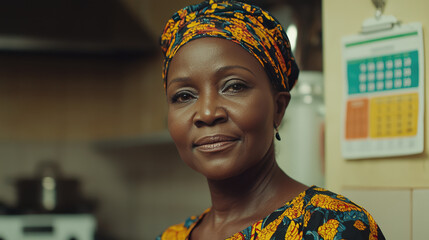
<point>247,25</point>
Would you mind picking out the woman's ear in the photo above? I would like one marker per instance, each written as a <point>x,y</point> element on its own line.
<point>281,102</point>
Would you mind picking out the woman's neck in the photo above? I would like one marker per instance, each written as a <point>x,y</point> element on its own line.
<point>253,194</point>
<point>240,201</point>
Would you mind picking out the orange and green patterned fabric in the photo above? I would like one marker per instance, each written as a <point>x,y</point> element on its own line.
<point>315,214</point>
<point>247,25</point>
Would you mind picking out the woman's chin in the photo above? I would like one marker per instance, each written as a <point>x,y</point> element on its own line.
<point>220,173</point>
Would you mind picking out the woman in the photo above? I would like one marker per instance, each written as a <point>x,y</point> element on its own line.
<point>228,71</point>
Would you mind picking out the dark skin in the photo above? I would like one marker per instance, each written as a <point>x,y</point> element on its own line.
<point>222,109</point>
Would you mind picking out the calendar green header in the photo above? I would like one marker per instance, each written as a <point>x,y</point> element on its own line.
<point>381,39</point>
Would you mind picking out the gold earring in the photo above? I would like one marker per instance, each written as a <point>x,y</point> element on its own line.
<point>277,133</point>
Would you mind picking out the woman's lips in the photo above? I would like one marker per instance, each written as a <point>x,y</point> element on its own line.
<point>214,143</point>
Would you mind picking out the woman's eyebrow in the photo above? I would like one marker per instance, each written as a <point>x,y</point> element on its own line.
<point>218,71</point>
<point>229,67</point>
<point>176,80</point>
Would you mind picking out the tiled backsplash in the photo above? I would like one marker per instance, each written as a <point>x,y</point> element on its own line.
<point>401,213</point>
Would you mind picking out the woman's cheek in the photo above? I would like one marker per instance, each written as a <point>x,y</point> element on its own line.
<point>179,127</point>
<point>255,113</point>
<point>176,126</point>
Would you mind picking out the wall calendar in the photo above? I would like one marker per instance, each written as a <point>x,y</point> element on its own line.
<point>384,93</point>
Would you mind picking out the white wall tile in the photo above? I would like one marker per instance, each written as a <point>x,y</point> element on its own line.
<point>391,209</point>
<point>420,213</point>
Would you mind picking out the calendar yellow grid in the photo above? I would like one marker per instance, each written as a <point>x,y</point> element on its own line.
<point>394,115</point>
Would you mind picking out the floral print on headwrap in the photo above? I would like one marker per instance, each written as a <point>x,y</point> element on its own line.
<point>249,26</point>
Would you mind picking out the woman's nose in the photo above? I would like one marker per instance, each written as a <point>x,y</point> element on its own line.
<point>209,112</point>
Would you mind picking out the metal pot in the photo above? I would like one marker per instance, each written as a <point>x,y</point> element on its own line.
<point>49,192</point>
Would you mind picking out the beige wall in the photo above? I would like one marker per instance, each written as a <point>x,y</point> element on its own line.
<point>344,17</point>
<point>394,190</point>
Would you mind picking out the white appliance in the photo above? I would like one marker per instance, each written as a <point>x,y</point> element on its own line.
<point>300,153</point>
<point>47,227</point>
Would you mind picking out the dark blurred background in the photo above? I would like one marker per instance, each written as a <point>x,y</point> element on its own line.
<point>83,115</point>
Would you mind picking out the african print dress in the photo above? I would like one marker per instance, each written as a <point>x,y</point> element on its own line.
<point>315,214</point>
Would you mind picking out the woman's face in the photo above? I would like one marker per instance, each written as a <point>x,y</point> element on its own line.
<point>221,107</point>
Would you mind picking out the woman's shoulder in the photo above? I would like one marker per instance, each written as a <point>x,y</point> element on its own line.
<point>177,232</point>
<point>321,212</point>
<point>182,230</point>
<point>323,198</point>
<point>320,199</point>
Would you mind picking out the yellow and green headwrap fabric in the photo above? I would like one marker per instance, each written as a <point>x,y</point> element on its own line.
<point>247,25</point>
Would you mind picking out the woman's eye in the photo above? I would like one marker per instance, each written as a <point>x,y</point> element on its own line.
<point>235,87</point>
<point>182,97</point>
